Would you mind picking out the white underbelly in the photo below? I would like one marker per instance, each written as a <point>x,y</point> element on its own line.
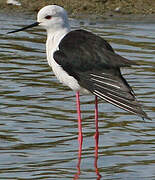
<point>65,78</point>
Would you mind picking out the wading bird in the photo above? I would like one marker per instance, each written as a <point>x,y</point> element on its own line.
<point>86,63</point>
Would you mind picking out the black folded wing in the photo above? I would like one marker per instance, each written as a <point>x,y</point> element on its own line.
<point>92,61</point>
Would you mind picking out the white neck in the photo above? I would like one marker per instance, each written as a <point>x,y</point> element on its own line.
<point>53,40</point>
<point>55,36</point>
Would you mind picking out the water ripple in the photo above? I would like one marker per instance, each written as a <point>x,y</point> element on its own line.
<point>38,127</point>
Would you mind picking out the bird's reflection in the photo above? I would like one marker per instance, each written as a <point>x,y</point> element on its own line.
<point>95,161</point>
<point>79,162</point>
<point>76,177</point>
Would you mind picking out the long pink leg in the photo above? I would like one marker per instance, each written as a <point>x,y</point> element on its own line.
<point>80,137</point>
<point>96,139</point>
<point>96,136</point>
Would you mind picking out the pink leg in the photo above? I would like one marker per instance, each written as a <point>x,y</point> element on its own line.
<point>80,137</point>
<point>96,136</point>
<point>96,139</point>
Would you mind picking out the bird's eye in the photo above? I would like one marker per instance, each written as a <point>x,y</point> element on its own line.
<point>48,17</point>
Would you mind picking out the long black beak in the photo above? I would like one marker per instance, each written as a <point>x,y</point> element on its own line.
<point>29,26</point>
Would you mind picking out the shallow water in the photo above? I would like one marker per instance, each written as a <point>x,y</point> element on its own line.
<point>38,124</point>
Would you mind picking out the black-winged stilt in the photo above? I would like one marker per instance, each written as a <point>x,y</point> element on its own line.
<point>86,63</point>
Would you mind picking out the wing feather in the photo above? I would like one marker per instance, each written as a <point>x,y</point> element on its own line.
<point>113,90</point>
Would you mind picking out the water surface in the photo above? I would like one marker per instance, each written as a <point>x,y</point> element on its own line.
<point>38,121</point>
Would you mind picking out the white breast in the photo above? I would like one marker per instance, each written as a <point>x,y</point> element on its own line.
<point>51,46</point>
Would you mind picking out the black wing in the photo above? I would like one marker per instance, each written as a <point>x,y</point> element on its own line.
<point>92,61</point>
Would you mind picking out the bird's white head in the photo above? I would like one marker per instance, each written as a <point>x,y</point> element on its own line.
<point>53,18</point>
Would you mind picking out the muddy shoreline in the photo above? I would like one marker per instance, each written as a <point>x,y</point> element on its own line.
<point>93,9</point>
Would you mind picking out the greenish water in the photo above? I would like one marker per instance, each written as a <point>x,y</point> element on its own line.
<point>38,121</point>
